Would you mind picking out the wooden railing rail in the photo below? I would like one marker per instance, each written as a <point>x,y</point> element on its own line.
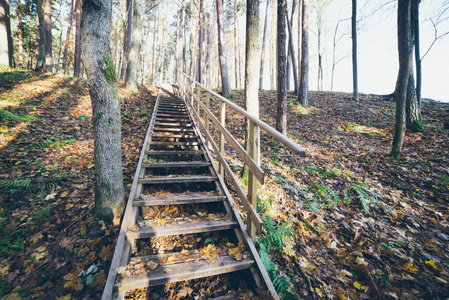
<point>185,89</point>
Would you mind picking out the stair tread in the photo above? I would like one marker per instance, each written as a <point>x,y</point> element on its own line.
<point>177,179</point>
<point>174,136</point>
<point>164,143</point>
<point>144,200</point>
<point>181,227</point>
<point>176,164</point>
<point>168,129</point>
<point>184,271</point>
<point>174,152</point>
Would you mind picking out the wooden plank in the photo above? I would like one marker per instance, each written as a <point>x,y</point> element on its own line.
<point>161,143</point>
<point>183,179</point>
<point>173,119</point>
<point>177,164</point>
<point>173,129</point>
<point>174,124</point>
<point>186,228</point>
<point>174,152</point>
<point>185,271</point>
<point>175,136</point>
<point>167,115</point>
<point>179,199</point>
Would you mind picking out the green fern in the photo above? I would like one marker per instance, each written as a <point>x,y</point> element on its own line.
<point>274,237</point>
<point>365,197</point>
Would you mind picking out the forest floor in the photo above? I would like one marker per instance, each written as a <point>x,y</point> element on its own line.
<point>361,224</point>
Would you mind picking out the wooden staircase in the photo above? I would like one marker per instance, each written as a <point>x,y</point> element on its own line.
<point>177,193</point>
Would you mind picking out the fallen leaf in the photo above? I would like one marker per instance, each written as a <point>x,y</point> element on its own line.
<point>358,286</point>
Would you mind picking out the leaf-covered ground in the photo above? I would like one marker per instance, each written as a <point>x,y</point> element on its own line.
<point>363,225</point>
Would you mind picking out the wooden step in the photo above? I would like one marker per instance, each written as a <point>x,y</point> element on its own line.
<point>175,136</point>
<point>184,271</point>
<point>168,129</point>
<point>178,179</point>
<point>178,200</point>
<point>168,115</point>
<point>172,111</point>
<point>177,164</point>
<point>173,119</point>
<point>174,152</point>
<point>174,124</point>
<point>185,228</point>
<point>158,143</point>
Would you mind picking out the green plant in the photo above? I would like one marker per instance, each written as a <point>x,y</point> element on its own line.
<point>326,192</point>
<point>274,157</point>
<point>43,213</point>
<point>4,114</point>
<point>88,276</point>
<point>333,173</point>
<point>348,125</point>
<point>274,234</point>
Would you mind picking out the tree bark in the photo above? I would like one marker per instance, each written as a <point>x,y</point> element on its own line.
<point>127,40</point>
<point>199,77</point>
<point>292,55</point>
<point>415,20</point>
<point>264,41</point>
<point>117,37</point>
<point>77,62</point>
<point>67,38</point>
<point>102,82</point>
<point>355,84</point>
<point>131,71</point>
<point>304,83</point>
<point>20,33</point>
<point>40,37</point>
<point>225,85</point>
<point>404,50</point>
<point>164,29</point>
<point>6,49</point>
<point>236,45</point>
<point>281,116</point>
<point>184,37</point>
<point>48,37</point>
<point>252,63</point>
<point>153,65</point>
<point>176,45</point>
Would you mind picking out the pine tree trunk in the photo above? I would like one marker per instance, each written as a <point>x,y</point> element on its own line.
<point>236,45</point>
<point>77,62</point>
<point>176,47</point>
<point>117,37</point>
<point>40,37</point>
<point>127,41</point>
<point>6,49</point>
<point>355,84</point>
<point>164,28</point>
<point>281,116</point>
<point>199,77</point>
<point>404,49</point>
<point>304,83</point>
<point>131,71</point>
<point>20,33</point>
<point>292,56</point>
<point>67,38</point>
<point>225,85</point>
<point>264,42</point>
<point>48,37</point>
<point>153,65</point>
<point>184,37</point>
<point>102,82</point>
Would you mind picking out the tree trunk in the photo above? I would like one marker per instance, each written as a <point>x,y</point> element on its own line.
<point>67,39</point>
<point>199,77</point>
<point>131,71</point>
<point>153,65</point>
<point>404,50</point>
<point>77,62</point>
<point>252,63</point>
<point>281,116</point>
<point>127,40</point>
<point>225,85</point>
<point>102,82</point>
<point>48,37</point>
<point>355,84</point>
<point>6,49</point>
<point>415,24</point>
<point>304,84</point>
<point>264,41</point>
<point>413,119</point>
<point>236,45</point>
<point>117,37</point>
<point>20,33</point>
<point>176,46</point>
<point>184,37</point>
<point>164,28</point>
<point>292,55</point>
<point>40,38</point>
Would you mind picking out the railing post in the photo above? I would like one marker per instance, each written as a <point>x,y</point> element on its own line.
<point>254,152</point>
<point>198,107</point>
<point>222,122</point>
<point>205,115</point>
<point>193,92</point>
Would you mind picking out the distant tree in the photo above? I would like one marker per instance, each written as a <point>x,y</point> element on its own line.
<point>252,63</point>
<point>67,38</point>
<point>153,61</point>
<point>199,77</point>
<point>20,33</point>
<point>225,85</point>
<point>131,71</point>
<point>264,42</point>
<point>40,38</point>
<point>77,61</point>
<point>291,57</point>
<point>405,52</point>
<point>281,116</point>
<point>127,39</point>
<point>164,29</point>
<point>48,37</point>
<point>355,84</point>
<point>304,83</point>
<point>117,38</point>
<point>102,82</point>
<point>6,49</point>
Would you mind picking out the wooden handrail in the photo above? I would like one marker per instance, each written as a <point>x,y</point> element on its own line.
<point>283,139</point>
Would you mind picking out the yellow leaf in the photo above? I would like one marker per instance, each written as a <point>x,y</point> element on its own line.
<point>319,292</point>
<point>152,265</point>
<point>171,259</point>
<point>358,286</point>
<point>4,270</point>
<point>3,130</point>
<point>73,281</point>
<point>66,297</point>
<point>162,222</point>
<point>64,195</point>
<point>13,296</point>
<point>410,268</point>
<point>185,252</point>
<point>361,261</point>
<point>431,263</point>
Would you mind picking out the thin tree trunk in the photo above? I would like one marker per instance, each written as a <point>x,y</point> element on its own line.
<point>40,37</point>
<point>199,77</point>
<point>208,46</point>
<point>236,42</point>
<point>6,47</point>
<point>225,85</point>
<point>67,38</point>
<point>153,65</point>
<point>304,83</point>
<point>290,65</point>
<point>264,41</point>
<point>127,40</point>
<point>292,56</point>
<point>131,71</point>
<point>117,36</point>
<point>20,33</point>
<point>281,116</point>
<point>164,27</point>
<point>48,37</point>
<point>413,119</point>
<point>415,20</point>
<point>176,46</point>
<point>77,62</point>
<point>102,82</point>
<point>355,84</point>
<point>184,37</point>
<point>404,50</point>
